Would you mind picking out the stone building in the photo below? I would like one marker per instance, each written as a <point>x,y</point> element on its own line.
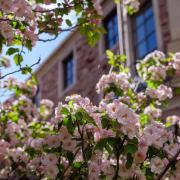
<point>75,67</point>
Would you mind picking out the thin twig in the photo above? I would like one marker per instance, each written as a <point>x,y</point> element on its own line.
<point>54,38</point>
<point>117,156</point>
<point>171,162</point>
<point>20,69</point>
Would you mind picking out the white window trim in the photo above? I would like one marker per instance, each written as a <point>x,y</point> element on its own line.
<point>63,90</point>
<point>128,35</point>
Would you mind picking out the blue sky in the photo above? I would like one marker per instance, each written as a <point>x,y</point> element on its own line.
<point>41,49</point>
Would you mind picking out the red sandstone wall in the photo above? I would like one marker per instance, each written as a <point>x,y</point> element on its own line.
<point>49,84</point>
<point>89,69</point>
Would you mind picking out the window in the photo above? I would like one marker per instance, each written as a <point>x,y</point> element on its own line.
<point>68,66</point>
<point>144,32</point>
<point>111,26</point>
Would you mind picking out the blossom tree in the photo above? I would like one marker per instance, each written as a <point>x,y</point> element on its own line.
<point>124,137</point>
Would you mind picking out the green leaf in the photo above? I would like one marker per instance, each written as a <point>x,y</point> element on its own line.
<point>149,174</point>
<point>18,59</point>
<point>11,51</point>
<point>68,22</point>
<point>109,54</point>
<point>77,165</point>
<point>104,142</point>
<point>176,91</point>
<point>13,116</point>
<point>152,151</point>
<point>144,119</point>
<point>70,156</point>
<point>70,103</point>
<point>130,148</point>
<point>26,70</point>
<point>129,161</point>
<point>168,124</point>
<point>65,111</point>
<point>69,124</point>
<point>105,122</point>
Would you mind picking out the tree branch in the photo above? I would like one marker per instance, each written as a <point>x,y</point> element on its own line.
<point>20,69</point>
<point>117,156</point>
<point>62,30</point>
<point>171,162</point>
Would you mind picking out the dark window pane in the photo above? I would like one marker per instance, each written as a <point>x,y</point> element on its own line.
<point>139,20</point>
<point>144,32</point>
<point>148,12</point>
<point>140,34</point>
<point>150,26</point>
<point>152,43</point>
<point>141,50</point>
<point>111,26</point>
<point>68,71</point>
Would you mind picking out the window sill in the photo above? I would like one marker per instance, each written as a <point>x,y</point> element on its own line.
<point>66,90</point>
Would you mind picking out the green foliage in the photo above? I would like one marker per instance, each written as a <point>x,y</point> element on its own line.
<point>117,61</point>
<point>26,70</point>
<point>11,51</point>
<point>18,59</point>
<point>113,88</point>
<point>144,119</point>
<point>68,122</point>
<point>68,22</point>
<point>129,161</point>
<point>65,111</point>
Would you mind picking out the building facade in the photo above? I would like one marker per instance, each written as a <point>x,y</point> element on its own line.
<point>75,67</point>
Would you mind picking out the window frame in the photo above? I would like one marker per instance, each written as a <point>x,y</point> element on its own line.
<point>144,6</point>
<point>110,15</point>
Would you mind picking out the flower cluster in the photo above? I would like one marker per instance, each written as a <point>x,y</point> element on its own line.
<point>120,80</point>
<point>153,67</point>
<point>161,93</point>
<point>176,61</point>
<point>133,5</point>
<point>123,137</point>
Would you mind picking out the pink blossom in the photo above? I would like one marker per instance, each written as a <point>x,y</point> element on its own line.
<point>174,120</point>
<point>103,133</point>
<point>107,169</point>
<point>94,171</point>
<point>176,61</point>
<point>6,31</point>
<point>172,149</point>
<point>53,141</point>
<point>6,5</point>
<point>157,72</point>
<point>133,3</point>
<point>155,55</point>
<point>36,143</point>
<point>152,112</point>
<point>3,146</point>
<point>161,93</point>
<point>158,165</point>
<point>51,171</point>
<point>69,145</point>
<point>120,80</point>
<point>49,159</point>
